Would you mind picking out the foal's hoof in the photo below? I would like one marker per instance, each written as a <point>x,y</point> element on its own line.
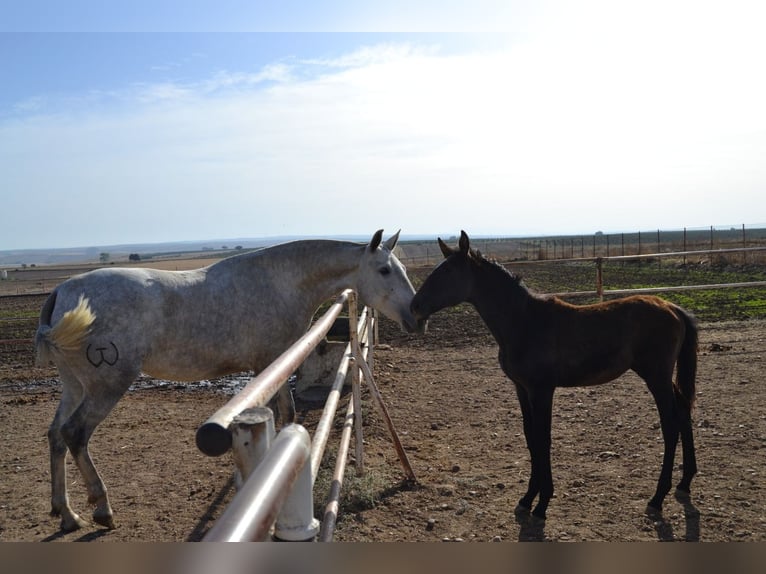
<point>521,511</point>
<point>653,513</point>
<point>683,494</point>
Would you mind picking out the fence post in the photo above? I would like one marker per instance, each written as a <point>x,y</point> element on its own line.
<point>252,431</point>
<point>296,521</point>
<point>659,250</point>
<point>599,278</point>
<point>250,514</point>
<point>744,246</point>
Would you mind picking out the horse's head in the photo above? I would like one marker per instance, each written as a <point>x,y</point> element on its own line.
<point>383,284</point>
<point>450,283</point>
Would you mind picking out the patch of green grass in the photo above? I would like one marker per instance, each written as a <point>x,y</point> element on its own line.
<point>19,314</point>
<point>706,305</point>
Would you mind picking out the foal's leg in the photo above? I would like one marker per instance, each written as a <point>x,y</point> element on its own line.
<point>542,408</point>
<point>525,503</point>
<point>537,409</point>
<point>687,444</point>
<point>666,405</point>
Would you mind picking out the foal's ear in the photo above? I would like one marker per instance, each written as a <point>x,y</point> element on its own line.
<point>464,243</point>
<point>446,249</point>
<point>375,241</point>
<point>391,241</point>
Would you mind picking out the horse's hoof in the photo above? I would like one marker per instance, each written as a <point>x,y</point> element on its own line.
<point>72,522</point>
<point>104,520</point>
<point>653,512</point>
<point>683,496</point>
<point>683,493</point>
<point>521,511</point>
<point>536,521</point>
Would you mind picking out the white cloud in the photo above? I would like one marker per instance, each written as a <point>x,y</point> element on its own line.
<point>544,135</point>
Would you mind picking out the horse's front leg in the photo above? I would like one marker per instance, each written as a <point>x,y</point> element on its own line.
<point>542,407</point>
<point>525,503</point>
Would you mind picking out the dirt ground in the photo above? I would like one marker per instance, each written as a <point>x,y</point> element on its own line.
<point>460,424</point>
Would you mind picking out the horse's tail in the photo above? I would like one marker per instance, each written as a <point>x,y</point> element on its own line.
<point>686,376</point>
<point>66,336</point>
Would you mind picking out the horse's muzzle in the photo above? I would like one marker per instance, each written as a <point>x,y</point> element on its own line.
<point>415,325</point>
<point>420,316</point>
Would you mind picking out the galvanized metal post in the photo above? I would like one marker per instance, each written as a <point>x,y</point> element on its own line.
<point>296,521</point>
<point>253,510</point>
<point>252,432</point>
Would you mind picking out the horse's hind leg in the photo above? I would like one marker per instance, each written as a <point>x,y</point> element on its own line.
<point>687,444</point>
<point>71,395</point>
<point>78,429</point>
<point>666,405</point>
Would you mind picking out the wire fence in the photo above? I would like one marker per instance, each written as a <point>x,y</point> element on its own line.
<point>700,240</point>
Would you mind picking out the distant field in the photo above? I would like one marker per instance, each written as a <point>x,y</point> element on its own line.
<point>534,263</point>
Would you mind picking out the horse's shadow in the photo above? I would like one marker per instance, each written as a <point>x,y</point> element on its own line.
<point>664,529</point>
<point>531,530</point>
<point>86,537</point>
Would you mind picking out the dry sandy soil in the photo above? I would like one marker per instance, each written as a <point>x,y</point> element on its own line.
<point>460,424</point>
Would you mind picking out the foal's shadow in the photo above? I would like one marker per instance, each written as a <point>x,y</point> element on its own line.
<point>664,529</point>
<point>531,529</point>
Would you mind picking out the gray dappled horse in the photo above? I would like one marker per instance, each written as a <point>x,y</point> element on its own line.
<point>103,328</point>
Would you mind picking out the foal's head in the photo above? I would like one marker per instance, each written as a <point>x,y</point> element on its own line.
<point>450,283</point>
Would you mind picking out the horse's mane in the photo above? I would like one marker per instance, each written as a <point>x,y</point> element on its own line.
<point>505,274</point>
<point>483,261</point>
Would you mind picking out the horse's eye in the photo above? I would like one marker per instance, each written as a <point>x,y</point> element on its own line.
<point>385,270</point>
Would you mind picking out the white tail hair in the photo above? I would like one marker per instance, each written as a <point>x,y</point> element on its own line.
<point>66,336</point>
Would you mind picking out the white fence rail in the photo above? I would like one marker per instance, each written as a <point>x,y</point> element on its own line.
<point>278,473</point>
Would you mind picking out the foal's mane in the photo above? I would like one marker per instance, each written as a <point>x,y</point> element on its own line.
<point>486,263</point>
<point>508,277</point>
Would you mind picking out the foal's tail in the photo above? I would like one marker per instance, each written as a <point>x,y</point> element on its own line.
<point>686,376</point>
<point>68,335</point>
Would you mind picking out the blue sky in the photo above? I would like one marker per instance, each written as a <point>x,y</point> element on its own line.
<point>163,121</point>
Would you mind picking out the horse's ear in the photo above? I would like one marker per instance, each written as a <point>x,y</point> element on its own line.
<point>391,241</point>
<point>464,243</point>
<point>446,249</point>
<point>375,241</point>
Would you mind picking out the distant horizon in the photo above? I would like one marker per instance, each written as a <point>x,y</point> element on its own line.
<point>11,257</point>
<point>274,239</point>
